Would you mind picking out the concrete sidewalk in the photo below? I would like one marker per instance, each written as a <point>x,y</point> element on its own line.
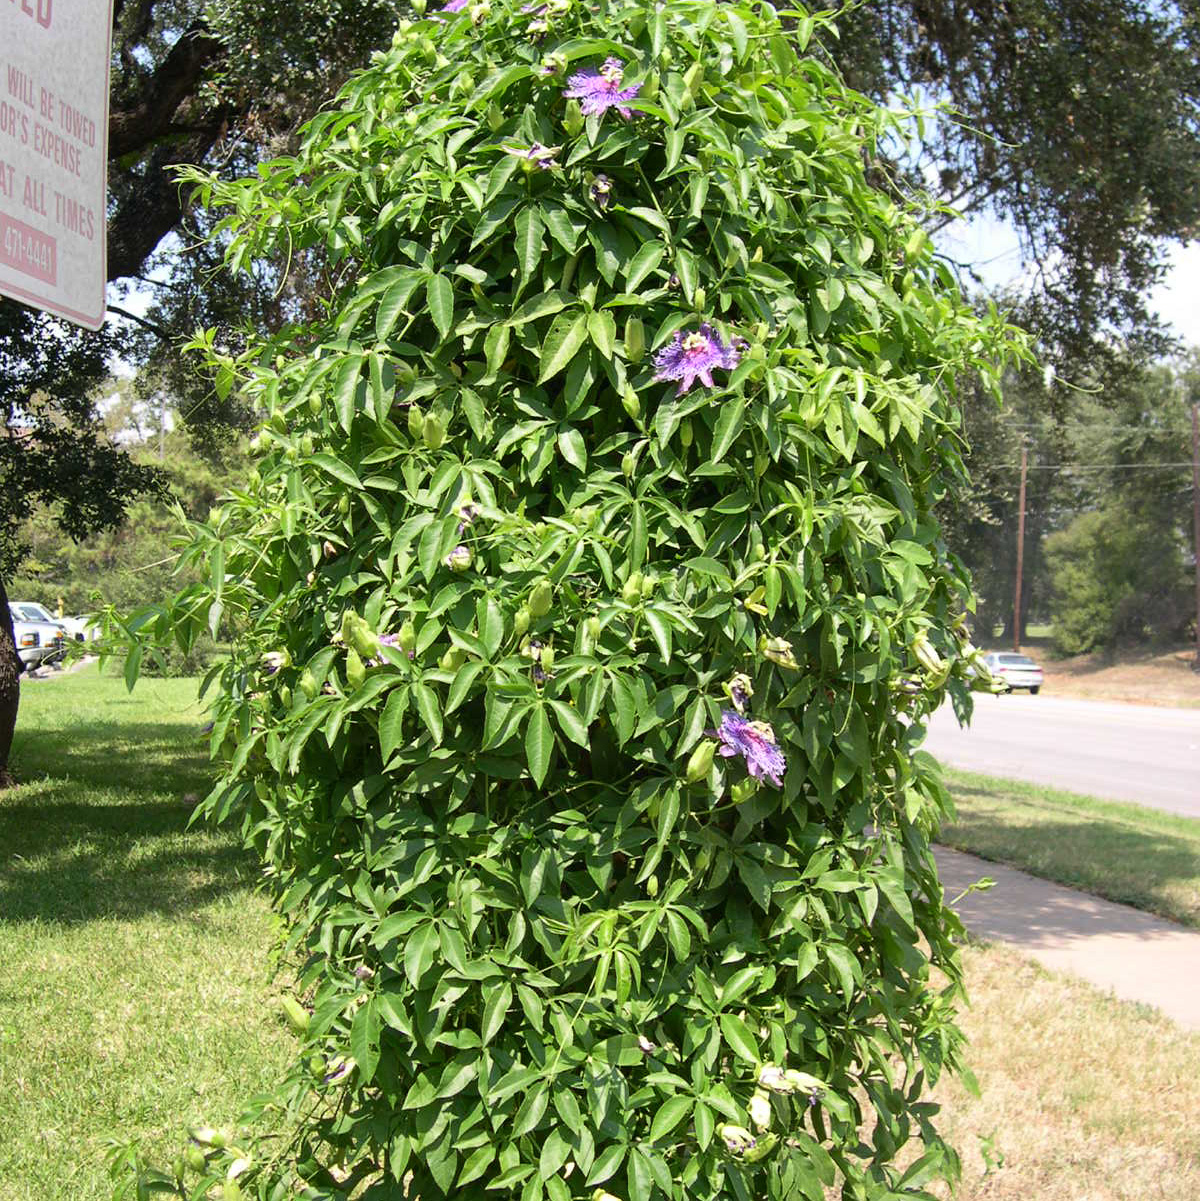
<point>1135,955</point>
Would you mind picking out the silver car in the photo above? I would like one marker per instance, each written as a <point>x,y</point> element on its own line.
<point>1017,671</point>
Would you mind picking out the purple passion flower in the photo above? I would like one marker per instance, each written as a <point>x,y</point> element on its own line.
<point>601,192</point>
<point>755,742</point>
<point>598,91</point>
<point>454,6</point>
<point>691,357</point>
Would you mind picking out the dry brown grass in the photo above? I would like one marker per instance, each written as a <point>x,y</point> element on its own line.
<point>1136,677</point>
<point>1084,1098</point>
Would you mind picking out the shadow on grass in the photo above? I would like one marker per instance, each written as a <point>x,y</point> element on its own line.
<point>1149,869</point>
<point>98,827</point>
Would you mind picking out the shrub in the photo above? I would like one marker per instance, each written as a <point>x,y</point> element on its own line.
<point>591,585</point>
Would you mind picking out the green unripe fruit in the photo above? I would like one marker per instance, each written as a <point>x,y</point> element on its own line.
<point>685,432</point>
<point>743,790</point>
<point>652,887</point>
<point>308,684</point>
<point>433,431</point>
<point>453,659</point>
<point>356,673</point>
<point>416,420</point>
<point>540,599</point>
<point>314,404</point>
<point>408,636</point>
<point>631,593</point>
<point>630,402</point>
<point>635,342</point>
<point>701,761</point>
<point>521,621</point>
<point>295,1013</point>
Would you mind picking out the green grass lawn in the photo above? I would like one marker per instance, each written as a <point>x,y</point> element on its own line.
<point>1127,853</point>
<point>136,995</point>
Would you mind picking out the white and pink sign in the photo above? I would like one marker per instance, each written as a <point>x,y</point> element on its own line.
<point>54,61</point>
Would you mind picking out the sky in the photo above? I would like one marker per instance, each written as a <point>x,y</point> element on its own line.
<point>991,247</point>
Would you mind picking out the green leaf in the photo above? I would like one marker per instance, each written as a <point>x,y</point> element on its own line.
<point>670,1114</point>
<point>603,331</point>
<point>391,723</point>
<point>419,951</point>
<point>544,305</point>
<point>661,632</point>
<point>336,468</point>
<point>345,389</point>
<point>427,706</point>
<point>642,263</point>
<point>529,240</point>
<point>571,447</point>
<point>739,1037</point>
<point>495,1007</point>
<point>608,1163</point>
<point>539,744</point>
<point>477,1163</point>
<point>392,303</point>
<point>364,1040</point>
<point>565,337</point>
<point>571,723</point>
<point>439,294</point>
<point>729,425</point>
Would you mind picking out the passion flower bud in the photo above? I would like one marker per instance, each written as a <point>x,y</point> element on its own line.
<point>433,431</point>
<point>356,672</point>
<point>631,403</point>
<point>762,1148</point>
<point>760,1110</point>
<point>649,583</point>
<point>540,599</point>
<point>737,1139</point>
<point>573,118</point>
<point>308,684</point>
<point>453,659</point>
<point>628,463</point>
<point>295,1013</point>
<point>652,887</point>
<point>700,299</point>
<point>701,761</point>
<point>408,636</point>
<point>925,654</point>
<point>631,593</point>
<point>635,341</point>
<point>521,621</point>
<point>495,118</point>
<point>194,1158</point>
<point>592,628</point>
<point>416,420</point>
<point>364,640</point>
<point>418,6</point>
<point>686,432</point>
<point>693,77</point>
<point>459,559</point>
<point>547,657</point>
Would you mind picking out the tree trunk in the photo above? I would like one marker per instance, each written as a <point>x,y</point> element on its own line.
<point>10,685</point>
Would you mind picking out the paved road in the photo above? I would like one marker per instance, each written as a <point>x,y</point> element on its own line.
<point>1137,956</point>
<point>1136,753</point>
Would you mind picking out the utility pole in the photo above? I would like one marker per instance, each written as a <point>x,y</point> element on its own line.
<point>1021,552</point>
<point>1196,518</point>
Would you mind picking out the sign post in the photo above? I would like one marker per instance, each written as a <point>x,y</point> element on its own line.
<point>54,63</point>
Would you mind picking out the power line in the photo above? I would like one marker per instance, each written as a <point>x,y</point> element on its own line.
<point>1091,466</point>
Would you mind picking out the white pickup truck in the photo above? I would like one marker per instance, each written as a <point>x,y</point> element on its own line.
<point>38,641</point>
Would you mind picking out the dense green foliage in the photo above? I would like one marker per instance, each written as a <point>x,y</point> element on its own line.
<point>501,583</point>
